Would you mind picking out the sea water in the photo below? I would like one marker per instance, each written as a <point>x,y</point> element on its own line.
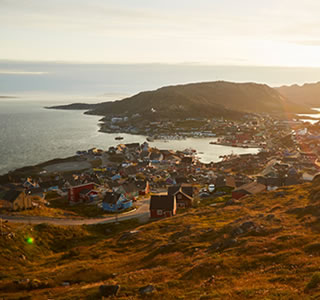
<point>31,134</point>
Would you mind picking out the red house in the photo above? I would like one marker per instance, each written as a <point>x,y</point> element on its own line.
<point>143,186</point>
<point>75,193</point>
<point>87,195</point>
<point>162,206</point>
<point>183,194</point>
<point>248,189</point>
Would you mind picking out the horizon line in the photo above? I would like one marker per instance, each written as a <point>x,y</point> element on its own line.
<point>191,64</point>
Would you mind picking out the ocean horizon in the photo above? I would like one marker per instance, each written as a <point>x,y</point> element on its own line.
<point>29,79</point>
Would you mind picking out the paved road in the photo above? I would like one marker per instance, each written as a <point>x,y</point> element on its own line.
<point>141,213</point>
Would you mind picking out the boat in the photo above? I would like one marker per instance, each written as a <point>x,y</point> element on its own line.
<point>150,139</point>
<point>118,138</point>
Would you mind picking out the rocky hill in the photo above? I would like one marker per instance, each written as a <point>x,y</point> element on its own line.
<point>207,99</point>
<point>263,247</point>
<point>307,94</point>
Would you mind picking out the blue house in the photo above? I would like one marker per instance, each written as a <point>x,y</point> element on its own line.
<point>114,202</point>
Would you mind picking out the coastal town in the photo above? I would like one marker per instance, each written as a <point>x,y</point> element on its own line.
<point>250,131</point>
<point>159,150</point>
<point>117,179</point>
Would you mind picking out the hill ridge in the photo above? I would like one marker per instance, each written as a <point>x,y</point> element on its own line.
<point>203,99</point>
<point>305,94</point>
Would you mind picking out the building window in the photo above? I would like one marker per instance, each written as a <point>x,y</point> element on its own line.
<point>159,212</point>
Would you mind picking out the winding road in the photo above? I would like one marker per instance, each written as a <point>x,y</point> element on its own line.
<point>141,213</point>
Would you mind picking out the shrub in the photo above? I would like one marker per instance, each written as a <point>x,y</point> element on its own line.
<point>314,282</point>
<point>313,248</point>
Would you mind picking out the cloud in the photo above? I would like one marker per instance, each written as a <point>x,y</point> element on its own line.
<point>207,31</point>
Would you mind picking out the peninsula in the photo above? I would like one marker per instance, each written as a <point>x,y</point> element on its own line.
<point>196,101</point>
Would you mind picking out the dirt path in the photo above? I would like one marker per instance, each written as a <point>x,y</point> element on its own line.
<point>141,213</point>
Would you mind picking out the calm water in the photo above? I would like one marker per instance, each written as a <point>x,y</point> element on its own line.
<point>315,115</point>
<point>30,134</point>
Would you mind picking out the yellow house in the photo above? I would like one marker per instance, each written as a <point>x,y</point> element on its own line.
<point>15,200</point>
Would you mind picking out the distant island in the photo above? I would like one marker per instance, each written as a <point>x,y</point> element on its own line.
<point>7,97</point>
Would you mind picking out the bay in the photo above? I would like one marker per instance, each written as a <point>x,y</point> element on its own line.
<point>30,134</point>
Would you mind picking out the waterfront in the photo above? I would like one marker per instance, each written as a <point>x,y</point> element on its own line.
<point>30,134</point>
<point>315,116</point>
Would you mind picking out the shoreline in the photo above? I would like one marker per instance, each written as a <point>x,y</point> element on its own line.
<point>76,158</point>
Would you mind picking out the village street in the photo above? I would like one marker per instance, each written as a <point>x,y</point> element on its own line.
<point>141,213</point>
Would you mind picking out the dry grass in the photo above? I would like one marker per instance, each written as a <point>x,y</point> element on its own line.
<point>50,212</point>
<point>265,248</point>
<point>60,208</point>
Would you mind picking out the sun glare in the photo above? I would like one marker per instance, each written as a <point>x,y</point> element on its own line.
<point>30,240</point>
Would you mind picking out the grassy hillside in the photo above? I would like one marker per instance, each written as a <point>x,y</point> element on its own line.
<point>265,247</point>
<point>207,99</point>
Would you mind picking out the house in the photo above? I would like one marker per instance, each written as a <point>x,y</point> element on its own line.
<point>306,177</point>
<point>129,171</point>
<point>181,179</point>
<point>36,193</point>
<point>248,189</point>
<point>308,156</point>
<point>143,187</point>
<point>183,200</point>
<point>145,147</point>
<point>162,206</point>
<point>15,200</point>
<point>74,195</point>
<point>187,160</point>
<point>71,180</point>
<point>116,177</point>
<point>183,194</point>
<point>144,155</point>
<point>156,156</point>
<point>270,181</point>
<point>132,146</point>
<point>114,202</point>
<point>29,184</point>
<point>129,189</point>
<point>51,185</point>
<point>88,194</point>
<point>227,183</point>
<point>291,180</point>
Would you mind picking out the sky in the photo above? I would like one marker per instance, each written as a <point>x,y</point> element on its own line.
<point>125,46</point>
<point>206,32</point>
